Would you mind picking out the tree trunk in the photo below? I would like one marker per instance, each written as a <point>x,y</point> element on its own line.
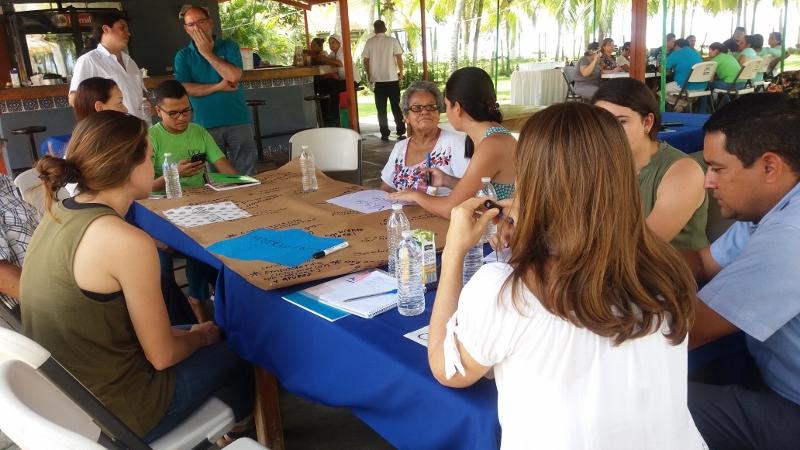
<point>683,18</point>
<point>744,14</point>
<point>558,41</point>
<point>456,28</point>
<point>478,16</point>
<point>738,13</point>
<point>508,48</point>
<point>672,21</point>
<point>753,23</point>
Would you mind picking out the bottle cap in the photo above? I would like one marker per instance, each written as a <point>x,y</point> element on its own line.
<point>168,154</point>
<point>397,206</point>
<point>406,233</point>
<point>486,179</point>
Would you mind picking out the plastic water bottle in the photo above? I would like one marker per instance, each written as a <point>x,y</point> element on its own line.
<point>15,77</point>
<point>487,190</point>
<point>172,178</point>
<point>410,291</point>
<point>473,261</point>
<point>395,226</point>
<point>308,170</point>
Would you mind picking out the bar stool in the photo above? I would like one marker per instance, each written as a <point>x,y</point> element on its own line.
<point>318,99</point>
<point>254,104</point>
<point>30,131</point>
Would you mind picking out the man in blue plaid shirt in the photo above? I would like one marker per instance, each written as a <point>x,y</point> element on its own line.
<point>18,219</point>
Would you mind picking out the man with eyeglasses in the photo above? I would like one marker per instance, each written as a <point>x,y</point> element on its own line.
<point>210,69</point>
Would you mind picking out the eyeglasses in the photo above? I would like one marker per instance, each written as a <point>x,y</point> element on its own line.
<point>419,108</point>
<point>176,114</point>
<point>196,22</point>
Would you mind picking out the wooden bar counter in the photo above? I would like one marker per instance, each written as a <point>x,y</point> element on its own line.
<point>283,89</point>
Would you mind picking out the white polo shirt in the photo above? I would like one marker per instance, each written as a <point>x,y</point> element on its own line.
<point>380,49</point>
<point>101,63</point>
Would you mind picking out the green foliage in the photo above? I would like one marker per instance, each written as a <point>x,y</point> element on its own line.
<point>271,29</point>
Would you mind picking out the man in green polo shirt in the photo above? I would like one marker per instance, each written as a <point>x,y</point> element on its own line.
<point>176,134</point>
<point>210,69</point>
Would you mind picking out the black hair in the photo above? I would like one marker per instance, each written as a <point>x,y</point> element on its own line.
<point>169,89</point>
<point>632,94</point>
<point>755,41</point>
<point>472,88</point>
<point>670,35</point>
<point>742,29</point>
<point>732,45</point>
<point>777,35</point>
<point>105,19</point>
<point>593,47</point>
<point>758,123</point>
<point>626,45</point>
<point>718,47</point>
<point>681,43</point>
<point>379,26</point>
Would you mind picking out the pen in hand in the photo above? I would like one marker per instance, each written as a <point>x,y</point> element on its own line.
<point>428,165</point>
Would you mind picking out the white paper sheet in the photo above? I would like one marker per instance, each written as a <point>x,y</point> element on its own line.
<point>375,284</point>
<point>419,336</point>
<point>197,215</point>
<point>366,202</point>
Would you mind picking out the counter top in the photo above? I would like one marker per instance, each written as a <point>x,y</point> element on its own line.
<point>267,73</point>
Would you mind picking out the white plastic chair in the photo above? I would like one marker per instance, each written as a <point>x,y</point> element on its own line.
<point>702,72</point>
<point>334,149</point>
<point>213,419</point>
<point>746,74</point>
<point>761,86</point>
<point>30,186</point>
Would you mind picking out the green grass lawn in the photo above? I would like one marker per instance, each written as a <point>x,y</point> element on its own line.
<point>366,103</point>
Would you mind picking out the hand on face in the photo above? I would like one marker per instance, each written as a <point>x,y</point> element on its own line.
<point>466,227</point>
<point>201,40</point>
<point>187,168</point>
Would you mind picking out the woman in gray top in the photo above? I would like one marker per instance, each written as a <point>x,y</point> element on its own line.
<point>587,77</point>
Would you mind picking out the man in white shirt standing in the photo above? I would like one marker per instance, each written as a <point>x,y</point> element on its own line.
<point>383,62</point>
<point>109,60</point>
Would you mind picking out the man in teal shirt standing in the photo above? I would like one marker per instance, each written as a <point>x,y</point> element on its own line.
<point>210,69</point>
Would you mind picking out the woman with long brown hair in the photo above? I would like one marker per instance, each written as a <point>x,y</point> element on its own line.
<point>91,293</point>
<point>585,327</point>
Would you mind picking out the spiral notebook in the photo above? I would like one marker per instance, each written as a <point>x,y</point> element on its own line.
<point>365,294</point>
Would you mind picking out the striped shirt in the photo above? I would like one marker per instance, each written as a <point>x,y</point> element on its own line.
<point>18,219</point>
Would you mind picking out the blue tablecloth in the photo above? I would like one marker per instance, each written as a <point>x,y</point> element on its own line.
<point>56,144</point>
<point>365,365</point>
<point>687,138</point>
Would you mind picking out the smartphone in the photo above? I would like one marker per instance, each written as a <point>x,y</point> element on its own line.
<point>197,157</point>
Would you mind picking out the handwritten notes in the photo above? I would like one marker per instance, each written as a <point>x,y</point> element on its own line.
<point>279,203</point>
<point>287,248</point>
<point>366,202</point>
<point>196,215</point>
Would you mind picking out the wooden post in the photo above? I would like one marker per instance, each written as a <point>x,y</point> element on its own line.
<point>269,428</point>
<point>424,40</point>
<point>305,21</point>
<point>348,65</point>
<point>638,35</point>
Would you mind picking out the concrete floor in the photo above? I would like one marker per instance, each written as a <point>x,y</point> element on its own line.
<point>307,425</point>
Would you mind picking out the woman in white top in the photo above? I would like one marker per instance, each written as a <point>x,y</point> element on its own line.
<point>585,328</point>
<point>427,146</point>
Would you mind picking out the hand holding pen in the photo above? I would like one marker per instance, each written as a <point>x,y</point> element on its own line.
<point>505,222</point>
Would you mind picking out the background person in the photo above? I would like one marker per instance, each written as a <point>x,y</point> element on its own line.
<point>613,355</point>
<point>100,312</point>
<point>608,63</point>
<point>407,166</point>
<point>622,58</point>
<point>97,94</point>
<point>727,67</point>
<point>108,60</point>
<point>471,104</point>
<point>383,63</point>
<point>674,200</point>
<point>210,69</point>
<point>588,73</point>
<point>681,61</point>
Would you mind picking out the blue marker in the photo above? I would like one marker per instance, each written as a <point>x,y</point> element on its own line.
<point>428,164</point>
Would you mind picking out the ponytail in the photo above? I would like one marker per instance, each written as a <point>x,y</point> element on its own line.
<point>56,173</point>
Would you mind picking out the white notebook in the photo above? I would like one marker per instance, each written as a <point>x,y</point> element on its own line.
<point>365,294</point>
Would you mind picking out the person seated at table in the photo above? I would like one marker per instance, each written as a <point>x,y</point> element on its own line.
<point>674,200</point>
<point>472,108</point>
<point>427,146</point>
<point>656,52</point>
<point>585,330</point>
<point>587,76</point>
<point>692,40</point>
<point>18,219</point>
<point>746,50</point>
<point>680,61</point>
<point>774,41</point>
<point>91,295</point>
<point>97,94</point>
<point>623,60</point>
<point>608,64</point>
<point>176,134</point>
<point>752,146</point>
<point>328,84</point>
<point>727,67</point>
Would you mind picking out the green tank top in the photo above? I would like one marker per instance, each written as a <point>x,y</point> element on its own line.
<point>693,235</point>
<point>504,190</point>
<point>92,336</point>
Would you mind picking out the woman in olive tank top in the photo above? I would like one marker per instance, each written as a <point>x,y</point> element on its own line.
<point>91,293</point>
<point>670,182</point>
